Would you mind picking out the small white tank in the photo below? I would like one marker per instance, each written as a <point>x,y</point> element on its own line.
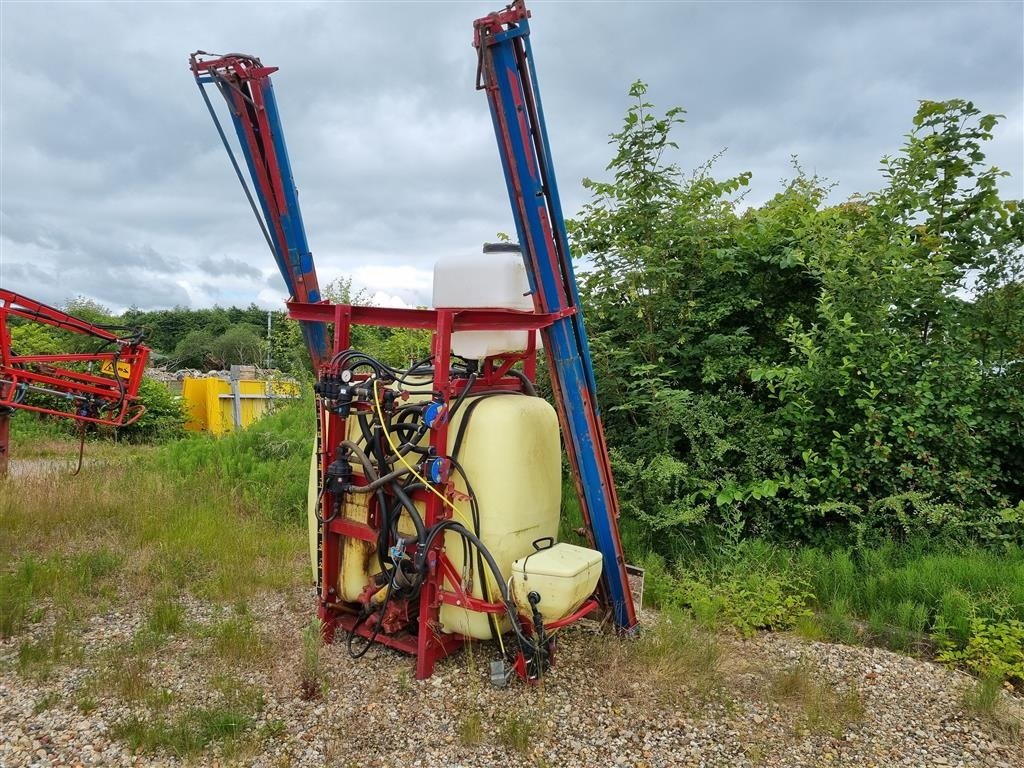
<point>496,279</point>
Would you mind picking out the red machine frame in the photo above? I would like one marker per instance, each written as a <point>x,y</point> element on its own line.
<point>99,397</point>
<point>443,583</point>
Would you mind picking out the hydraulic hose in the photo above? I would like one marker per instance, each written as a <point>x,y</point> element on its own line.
<point>528,385</point>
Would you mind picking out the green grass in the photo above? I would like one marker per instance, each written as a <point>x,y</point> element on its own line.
<point>471,729</point>
<point>166,616</point>
<point>238,640</point>
<point>677,661</point>
<point>912,597</point>
<point>45,702</point>
<point>515,733</point>
<point>29,428</point>
<point>191,730</point>
<point>985,700</point>
<point>142,525</point>
<point>821,709</point>
<point>187,734</point>
<point>312,680</point>
<point>265,466</point>
<point>37,658</point>
<point>64,580</point>
<point>910,586</point>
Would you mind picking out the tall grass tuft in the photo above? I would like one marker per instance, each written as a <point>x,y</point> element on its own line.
<point>986,700</point>
<point>312,680</point>
<point>822,709</point>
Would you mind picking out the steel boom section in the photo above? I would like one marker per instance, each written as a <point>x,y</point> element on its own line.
<point>508,77</point>
<point>246,87</point>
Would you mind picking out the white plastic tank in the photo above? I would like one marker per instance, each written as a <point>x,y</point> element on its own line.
<point>497,279</point>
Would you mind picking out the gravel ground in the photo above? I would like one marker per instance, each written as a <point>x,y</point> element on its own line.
<point>598,707</point>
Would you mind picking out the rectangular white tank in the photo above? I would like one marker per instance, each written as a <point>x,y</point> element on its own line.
<point>495,279</point>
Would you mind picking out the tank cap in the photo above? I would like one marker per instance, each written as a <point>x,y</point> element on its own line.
<point>501,248</point>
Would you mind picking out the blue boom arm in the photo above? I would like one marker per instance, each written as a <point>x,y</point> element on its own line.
<point>506,73</point>
<point>245,84</point>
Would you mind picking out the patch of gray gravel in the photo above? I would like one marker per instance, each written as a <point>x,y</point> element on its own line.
<point>375,714</point>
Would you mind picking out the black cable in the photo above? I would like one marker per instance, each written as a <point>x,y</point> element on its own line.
<point>376,630</point>
<point>485,589</point>
<point>460,435</point>
<point>471,379</point>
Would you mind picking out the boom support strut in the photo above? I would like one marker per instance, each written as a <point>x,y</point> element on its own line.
<point>245,85</point>
<point>506,73</point>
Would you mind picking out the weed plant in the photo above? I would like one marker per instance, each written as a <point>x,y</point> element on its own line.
<point>986,700</point>
<point>822,709</point>
<point>515,733</point>
<point>311,673</point>
<point>471,729</point>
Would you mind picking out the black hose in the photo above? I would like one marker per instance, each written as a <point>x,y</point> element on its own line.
<point>462,396</point>
<point>376,630</point>
<point>380,482</point>
<point>524,642</point>
<point>473,404</point>
<point>528,385</point>
<point>474,505</point>
<point>414,514</point>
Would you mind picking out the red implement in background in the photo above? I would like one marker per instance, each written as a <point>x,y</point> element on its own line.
<point>96,387</point>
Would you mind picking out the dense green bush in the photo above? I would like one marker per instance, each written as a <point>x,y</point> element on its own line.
<point>807,370</point>
<point>164,418</point>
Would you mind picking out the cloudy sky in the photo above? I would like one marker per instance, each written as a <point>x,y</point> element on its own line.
<point>115,185</point>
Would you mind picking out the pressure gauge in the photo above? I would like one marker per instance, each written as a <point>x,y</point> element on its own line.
<point>346,375</point>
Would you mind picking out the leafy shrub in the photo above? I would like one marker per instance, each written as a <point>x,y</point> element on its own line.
<point>809,370</point>
<point>164,418</point>
<point>748,591</point>
<point>748,601</point>
<point>995,648</point>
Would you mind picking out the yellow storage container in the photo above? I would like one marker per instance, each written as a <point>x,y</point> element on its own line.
<point>218,406</point>
<point>563,575</point>
<point>512,456</point>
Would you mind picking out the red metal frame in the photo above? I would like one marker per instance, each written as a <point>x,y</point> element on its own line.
<point>443,584</point>
<point>96,397</point>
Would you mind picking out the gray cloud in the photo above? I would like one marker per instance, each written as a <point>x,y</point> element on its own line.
<point>114,185</point>
<point>227,267</point>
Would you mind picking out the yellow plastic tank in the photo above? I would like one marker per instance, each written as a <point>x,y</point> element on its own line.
<point>511,454</point>
<point>512,457</point>
<point>563,575</point>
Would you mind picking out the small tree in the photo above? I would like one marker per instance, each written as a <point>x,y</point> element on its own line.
<point>238,345</point>
<point>194,349</point>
